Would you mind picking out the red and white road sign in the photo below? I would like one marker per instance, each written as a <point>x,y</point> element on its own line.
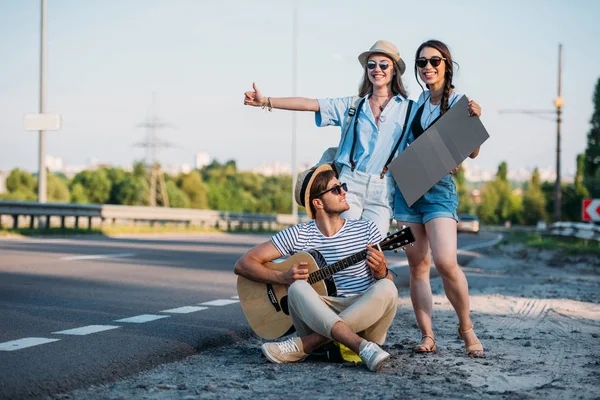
<point>590,210</point>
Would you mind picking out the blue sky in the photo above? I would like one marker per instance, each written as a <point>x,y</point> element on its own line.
<point>107,57</point>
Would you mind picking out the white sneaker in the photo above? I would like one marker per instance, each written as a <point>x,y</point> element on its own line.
<point>372,355</point>
<point>288,351</point>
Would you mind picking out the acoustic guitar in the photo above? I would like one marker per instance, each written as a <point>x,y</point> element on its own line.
<point>266,305</point>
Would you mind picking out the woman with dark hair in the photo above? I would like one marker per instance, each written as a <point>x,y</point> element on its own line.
<point>372,125</point>
<point>433,217</point>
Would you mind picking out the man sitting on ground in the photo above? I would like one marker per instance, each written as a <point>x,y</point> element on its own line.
<point>364,308</point>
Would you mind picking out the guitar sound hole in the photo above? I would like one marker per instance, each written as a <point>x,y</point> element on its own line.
<point>283,302</point>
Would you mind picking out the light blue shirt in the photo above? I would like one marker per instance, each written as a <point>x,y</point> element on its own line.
<point>431,112</point>
<point>373,145</point>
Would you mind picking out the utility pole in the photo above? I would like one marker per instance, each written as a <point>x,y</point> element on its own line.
<point>294,113</point>
<point>559,102</point>
<point>158,191</point>
<point>42,191</point>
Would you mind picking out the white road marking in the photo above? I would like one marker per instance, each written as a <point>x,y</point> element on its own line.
<point>484,244</point>
<point>86,330</point>
<point>235,297</point>
<point>140,319</point>
<point>24,343</point>
<point>185,310</point>
<point>98,256</point>
<point>220,302</point>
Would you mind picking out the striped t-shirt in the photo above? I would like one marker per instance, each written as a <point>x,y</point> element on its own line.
<point>353,238</point>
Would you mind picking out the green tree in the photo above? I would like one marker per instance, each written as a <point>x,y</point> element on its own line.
<point>78,194</point>
<point>592,152</point>
<point>534,203</point>
<point>57,189</point>
<point>194,188</point>
<point>573,195</point>
<point>23,180</point>
<point>130,190</point>
<point>498,202</point>
<point>96,185</point>
<point>115,176</point>
<point>177,197</point>
<point>464,198</point>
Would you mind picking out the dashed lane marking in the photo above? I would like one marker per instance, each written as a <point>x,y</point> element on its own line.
<point>98,256</point>
<point>184,310</point>
<point>140,319</point>
<point>235,297</point>
<point>24,343</point>
<point>220,302</point>
<point>86,330</point>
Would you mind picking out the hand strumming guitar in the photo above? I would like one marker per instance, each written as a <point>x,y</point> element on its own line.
<point>297,272</point>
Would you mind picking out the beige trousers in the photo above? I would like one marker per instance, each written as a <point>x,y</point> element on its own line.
<point>368,314</point>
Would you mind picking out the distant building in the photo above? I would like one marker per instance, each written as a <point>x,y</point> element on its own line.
<point>274,168</point>
<point>202,159</point>
<point>54,164</point>
<point>3,176</point>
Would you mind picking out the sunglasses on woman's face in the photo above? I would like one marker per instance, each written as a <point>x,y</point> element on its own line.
<point>383,65</point>
<point>434,61</point>
<point>337,190</point>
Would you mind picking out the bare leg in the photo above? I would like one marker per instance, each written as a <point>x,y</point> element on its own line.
<point>442,235</point>
<point>313,341</point>
<point>419,263</point>
<point>343,334</point>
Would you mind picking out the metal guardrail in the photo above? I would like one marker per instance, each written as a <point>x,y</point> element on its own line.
<point>574,229</point>
<point>117,214</point>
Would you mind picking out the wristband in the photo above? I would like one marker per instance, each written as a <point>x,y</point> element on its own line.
<point>387,272</point>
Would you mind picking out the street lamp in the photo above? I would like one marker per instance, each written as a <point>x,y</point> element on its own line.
<point>559,102</point>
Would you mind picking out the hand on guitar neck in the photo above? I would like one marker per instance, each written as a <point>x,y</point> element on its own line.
<point>377,262</point>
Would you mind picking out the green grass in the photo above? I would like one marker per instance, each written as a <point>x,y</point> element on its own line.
<point>567,245</point>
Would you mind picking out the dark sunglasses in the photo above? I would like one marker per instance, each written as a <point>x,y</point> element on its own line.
<point>383,65</point>
<point>337,190</point>
<point>434,61</point>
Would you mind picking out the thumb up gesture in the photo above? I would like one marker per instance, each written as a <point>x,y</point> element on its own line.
<point>254,97</point>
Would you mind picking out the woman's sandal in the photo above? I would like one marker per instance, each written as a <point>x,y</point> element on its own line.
<point>422,348</point>
<point>474,350</point>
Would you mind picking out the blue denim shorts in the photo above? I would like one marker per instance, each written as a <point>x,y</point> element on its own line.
<point>441,201</point>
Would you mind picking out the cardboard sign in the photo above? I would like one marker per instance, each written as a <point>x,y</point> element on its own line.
<point>440,149</point>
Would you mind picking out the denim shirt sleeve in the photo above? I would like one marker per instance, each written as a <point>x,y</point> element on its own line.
<point>332,111</point>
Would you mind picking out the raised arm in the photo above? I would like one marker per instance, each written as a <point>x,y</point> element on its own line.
<point>256,99</point>
<point>251,266</point>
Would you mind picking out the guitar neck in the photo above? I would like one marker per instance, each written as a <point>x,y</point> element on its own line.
<point>328,271</point>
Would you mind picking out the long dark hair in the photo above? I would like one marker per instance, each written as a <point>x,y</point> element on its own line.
<point>365,87</point>
<point>448,74</point>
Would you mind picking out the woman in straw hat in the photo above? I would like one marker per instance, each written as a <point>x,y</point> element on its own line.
<point>433,217</point>
<point>373,139</point>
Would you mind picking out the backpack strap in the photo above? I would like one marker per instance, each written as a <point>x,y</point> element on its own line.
<point>391,157</point>
<point>350,115</point>
<point>354,137</point>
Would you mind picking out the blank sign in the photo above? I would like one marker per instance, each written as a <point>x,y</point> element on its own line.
<point>42,122</point>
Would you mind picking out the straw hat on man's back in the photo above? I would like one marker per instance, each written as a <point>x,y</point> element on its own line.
<point>304,183</point>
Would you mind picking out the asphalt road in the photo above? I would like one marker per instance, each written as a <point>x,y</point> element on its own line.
<point>79,311</point>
